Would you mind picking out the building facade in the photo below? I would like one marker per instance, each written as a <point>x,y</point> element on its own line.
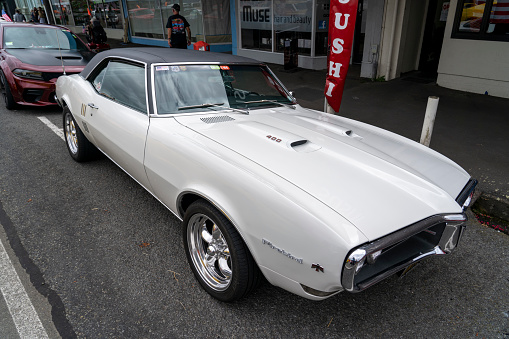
<point>461,44</point>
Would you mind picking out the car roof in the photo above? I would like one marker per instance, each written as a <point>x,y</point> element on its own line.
<point>26,24</point>
<point>151,55</point>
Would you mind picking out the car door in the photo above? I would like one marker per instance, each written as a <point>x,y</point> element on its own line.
<point>117,115</point>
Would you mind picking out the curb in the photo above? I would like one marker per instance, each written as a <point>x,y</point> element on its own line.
<point>492,211</point>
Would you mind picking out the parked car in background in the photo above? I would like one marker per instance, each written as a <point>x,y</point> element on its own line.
<point>33,56</point>
<point>314,202</point>
<point>141,13</point>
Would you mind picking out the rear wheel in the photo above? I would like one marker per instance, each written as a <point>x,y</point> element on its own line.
<point>7,94</point>
<point>218,256</point>
<point>78,145</point>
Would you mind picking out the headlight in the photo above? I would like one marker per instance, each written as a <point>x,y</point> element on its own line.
<point>23,73</point>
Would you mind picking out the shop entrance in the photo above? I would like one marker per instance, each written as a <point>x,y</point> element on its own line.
<point>433,37</point>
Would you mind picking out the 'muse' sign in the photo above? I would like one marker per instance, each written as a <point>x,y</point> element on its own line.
<point>341,29</point>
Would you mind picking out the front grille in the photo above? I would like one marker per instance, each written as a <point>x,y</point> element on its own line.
<point>375,261</point>
<point>403,252</point>
<point>47,76</point>
<point>33,95</point>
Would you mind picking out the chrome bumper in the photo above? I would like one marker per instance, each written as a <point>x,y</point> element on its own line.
<point>373,262</point>
<point>57,101</point>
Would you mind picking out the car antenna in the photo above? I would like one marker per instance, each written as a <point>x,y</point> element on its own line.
<point>60,49</point>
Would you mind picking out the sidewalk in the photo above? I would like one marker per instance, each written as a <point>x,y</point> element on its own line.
<point>470,129</point>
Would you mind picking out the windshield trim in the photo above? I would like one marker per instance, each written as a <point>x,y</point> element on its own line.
<point>155,113</point>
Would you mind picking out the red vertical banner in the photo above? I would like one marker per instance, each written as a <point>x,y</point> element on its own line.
<point>342,17</point>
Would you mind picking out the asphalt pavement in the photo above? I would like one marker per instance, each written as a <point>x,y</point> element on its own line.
<point>470,129</point>
<point>107,259</point>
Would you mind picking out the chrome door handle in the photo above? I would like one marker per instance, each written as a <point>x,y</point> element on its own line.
<point>92,105</point>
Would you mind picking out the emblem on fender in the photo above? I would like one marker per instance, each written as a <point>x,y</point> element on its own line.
<point>317,268</point>
<point>283,252</point>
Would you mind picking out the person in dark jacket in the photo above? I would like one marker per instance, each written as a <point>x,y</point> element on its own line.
<point>34,15</point>
<point>96,33</point>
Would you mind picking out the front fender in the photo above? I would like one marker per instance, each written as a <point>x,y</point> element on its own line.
<point>287,230</point>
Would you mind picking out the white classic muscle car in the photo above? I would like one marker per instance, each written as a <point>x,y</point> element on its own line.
<point>313,202</point>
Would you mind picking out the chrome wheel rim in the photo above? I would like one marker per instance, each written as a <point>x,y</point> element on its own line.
<point>70,134</point>
<point>209,252</point>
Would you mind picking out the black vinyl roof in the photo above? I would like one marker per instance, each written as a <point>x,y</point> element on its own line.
<point>150,55</point>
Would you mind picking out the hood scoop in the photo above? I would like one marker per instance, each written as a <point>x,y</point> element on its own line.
<point>304,146</point>
<point>216,119</point>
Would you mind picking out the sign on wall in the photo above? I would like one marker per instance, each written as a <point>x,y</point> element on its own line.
<point>288,16</point>
<point>256,15</point>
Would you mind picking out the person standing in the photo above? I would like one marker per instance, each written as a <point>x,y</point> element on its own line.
<point>179,33</point>
<point>35,15</point>
<point>18,17</point>
<point>42,16</point>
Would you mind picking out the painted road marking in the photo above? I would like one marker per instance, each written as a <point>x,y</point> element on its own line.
<point>58,131</point>
<point>20,307</point>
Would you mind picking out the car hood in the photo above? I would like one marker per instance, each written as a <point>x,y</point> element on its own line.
<point>376,179</point>
<point>51,57</point>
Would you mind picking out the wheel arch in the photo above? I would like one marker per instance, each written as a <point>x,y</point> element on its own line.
<point>187,198</point>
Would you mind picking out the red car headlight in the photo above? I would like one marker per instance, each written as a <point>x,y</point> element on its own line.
<point>28,74</point>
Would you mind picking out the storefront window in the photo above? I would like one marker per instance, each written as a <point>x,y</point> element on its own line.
<point>256,24</point>
<point>482,20</point>
<point>322,29</point>
<point>292,21</point>
<point>80,10</point>
<point>145,19</point>
<point>108,11</point>
<point>499,18</point>
<point>216,21</point>
<point>62,12</point>
<point>26,6</point>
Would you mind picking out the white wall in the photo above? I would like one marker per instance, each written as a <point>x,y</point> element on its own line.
<point>473,65</point>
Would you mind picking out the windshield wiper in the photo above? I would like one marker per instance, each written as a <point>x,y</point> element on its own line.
<point>200,106</point>
<point>269,101</point>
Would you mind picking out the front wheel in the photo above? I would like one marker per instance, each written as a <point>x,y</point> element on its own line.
<point>78,145</point>
<point>7,94</point>
<point>218,256</point>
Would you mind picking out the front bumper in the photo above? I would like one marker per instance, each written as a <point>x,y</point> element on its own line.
<point>436,235</point>
<point>33,92</point>
<point>373,262</point>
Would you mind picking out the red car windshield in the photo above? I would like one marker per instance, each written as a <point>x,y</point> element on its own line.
<point>41,37</point>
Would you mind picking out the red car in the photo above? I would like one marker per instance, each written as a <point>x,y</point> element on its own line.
<point>32,57</point>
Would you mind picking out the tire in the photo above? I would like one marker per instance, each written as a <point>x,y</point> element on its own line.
<point>7,94</point>
<point>218,256</point>
<point>77,144</point>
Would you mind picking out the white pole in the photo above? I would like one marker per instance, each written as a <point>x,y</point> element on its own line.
<point>429,120</point>
<point>327,108</point>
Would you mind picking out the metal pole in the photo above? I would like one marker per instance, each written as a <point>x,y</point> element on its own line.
<point>429,120</point>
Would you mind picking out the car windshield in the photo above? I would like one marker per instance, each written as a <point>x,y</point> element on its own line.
<point>41,37</point>
<point>192,88</point>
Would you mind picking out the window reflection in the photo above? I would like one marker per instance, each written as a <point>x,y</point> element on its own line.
<point>182,89</point>
<point>499,18</point>
<point>473,19</point>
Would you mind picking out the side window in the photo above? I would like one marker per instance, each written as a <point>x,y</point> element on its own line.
<point>97,81</point>
<point>123,83</point>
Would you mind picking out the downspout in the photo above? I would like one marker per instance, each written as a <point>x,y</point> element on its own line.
<point>391,37</point>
